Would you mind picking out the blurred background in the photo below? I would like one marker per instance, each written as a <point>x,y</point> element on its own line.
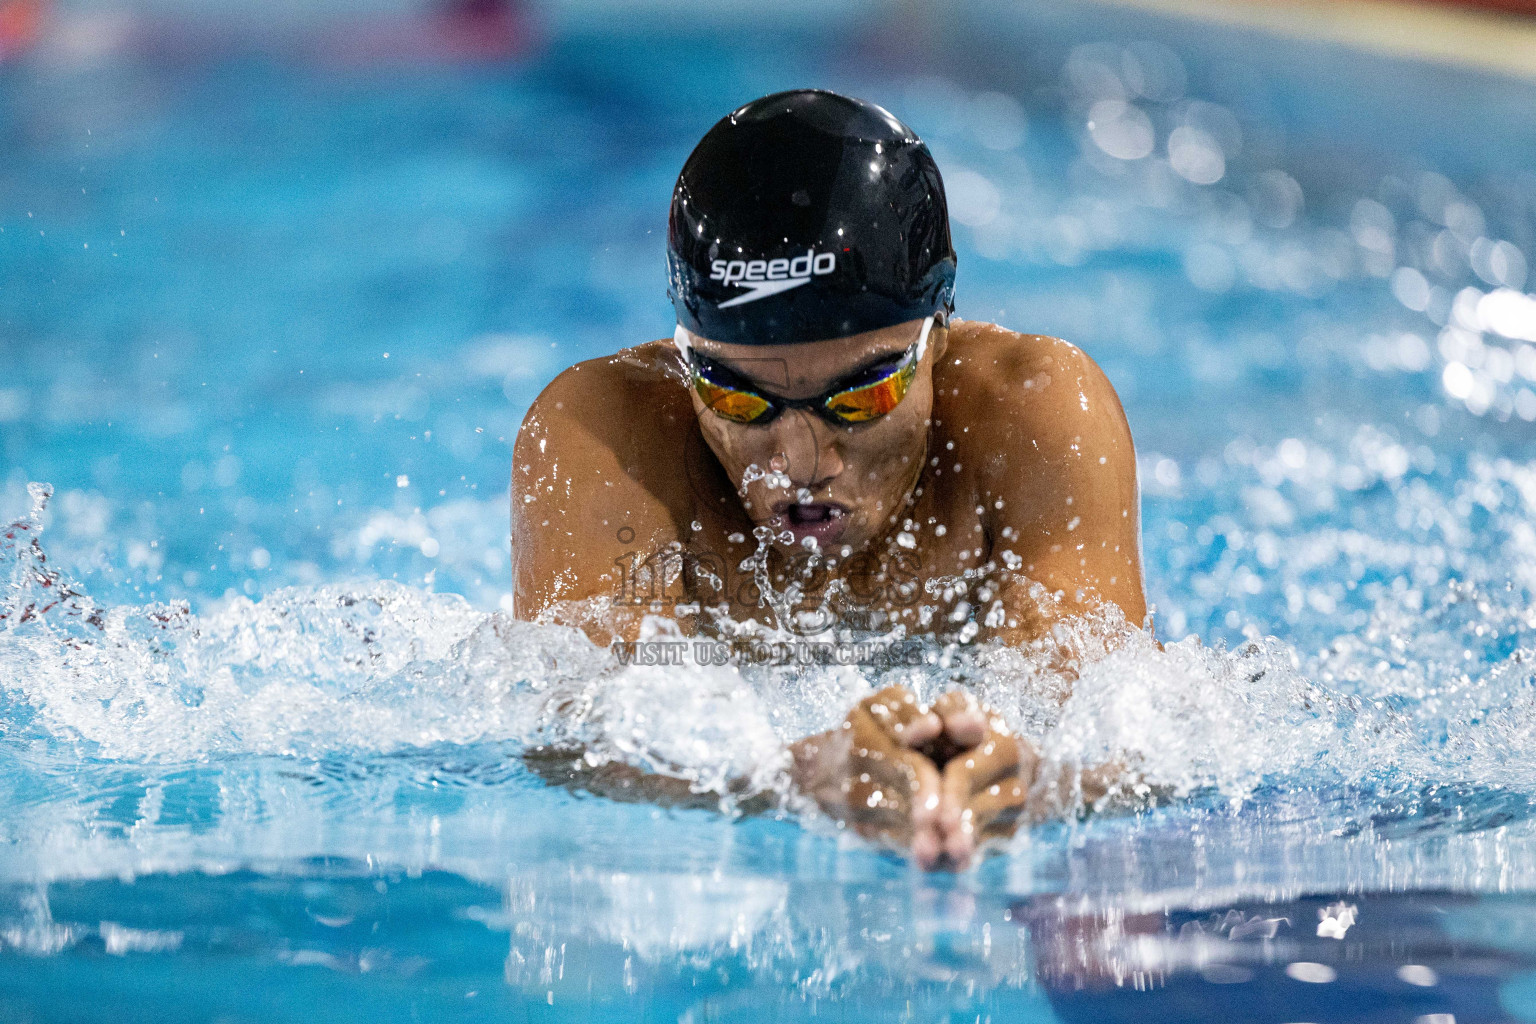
<point>280,279</point>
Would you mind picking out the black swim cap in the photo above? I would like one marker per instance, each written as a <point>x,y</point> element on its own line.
<point>807,215</point>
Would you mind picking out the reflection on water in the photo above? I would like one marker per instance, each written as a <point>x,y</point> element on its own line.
<point>563,940</point>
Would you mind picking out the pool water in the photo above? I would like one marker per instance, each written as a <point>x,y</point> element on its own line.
<point>270,321</point>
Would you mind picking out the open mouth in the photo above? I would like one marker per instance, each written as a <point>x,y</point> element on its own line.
<point>823,520</point>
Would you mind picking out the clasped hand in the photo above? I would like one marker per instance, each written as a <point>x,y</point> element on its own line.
<point>939,780</point>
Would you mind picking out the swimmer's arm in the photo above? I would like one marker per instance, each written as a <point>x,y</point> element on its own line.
<point>1071,520</point>
<point>581,511</point>
<point>1081,552</point>
<point>616,780</point>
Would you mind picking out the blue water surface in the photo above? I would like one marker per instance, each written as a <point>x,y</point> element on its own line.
<point>271,313</point>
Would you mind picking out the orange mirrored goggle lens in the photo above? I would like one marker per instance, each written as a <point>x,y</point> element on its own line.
<point>873,400</point>
<point>734,405</point>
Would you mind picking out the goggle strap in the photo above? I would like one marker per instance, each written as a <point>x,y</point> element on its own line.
<point>683,342</point>
<point>922,339</point>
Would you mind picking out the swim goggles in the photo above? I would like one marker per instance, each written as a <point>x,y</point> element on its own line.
<point>867,395</point>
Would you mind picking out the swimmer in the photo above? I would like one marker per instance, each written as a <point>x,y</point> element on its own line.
<point>822,441</point>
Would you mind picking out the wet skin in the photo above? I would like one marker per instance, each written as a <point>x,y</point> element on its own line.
<point>1009,451</point>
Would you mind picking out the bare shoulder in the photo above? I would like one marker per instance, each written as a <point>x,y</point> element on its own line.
<point>1029,403</point>
<point>988,363</point>
<point>595,468</point>
<point>600,400</point>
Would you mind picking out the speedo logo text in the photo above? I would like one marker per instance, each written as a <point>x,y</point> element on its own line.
<point>763,278</point>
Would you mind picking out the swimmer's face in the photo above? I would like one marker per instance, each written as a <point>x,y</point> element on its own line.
<point>798,473</point>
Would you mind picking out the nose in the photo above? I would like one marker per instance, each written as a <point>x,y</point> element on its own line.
<point>810,450</point>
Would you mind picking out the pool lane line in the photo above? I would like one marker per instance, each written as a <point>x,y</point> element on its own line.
<point>1489,40</point>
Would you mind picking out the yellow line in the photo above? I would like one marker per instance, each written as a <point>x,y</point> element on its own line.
<point>1502,43</point>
